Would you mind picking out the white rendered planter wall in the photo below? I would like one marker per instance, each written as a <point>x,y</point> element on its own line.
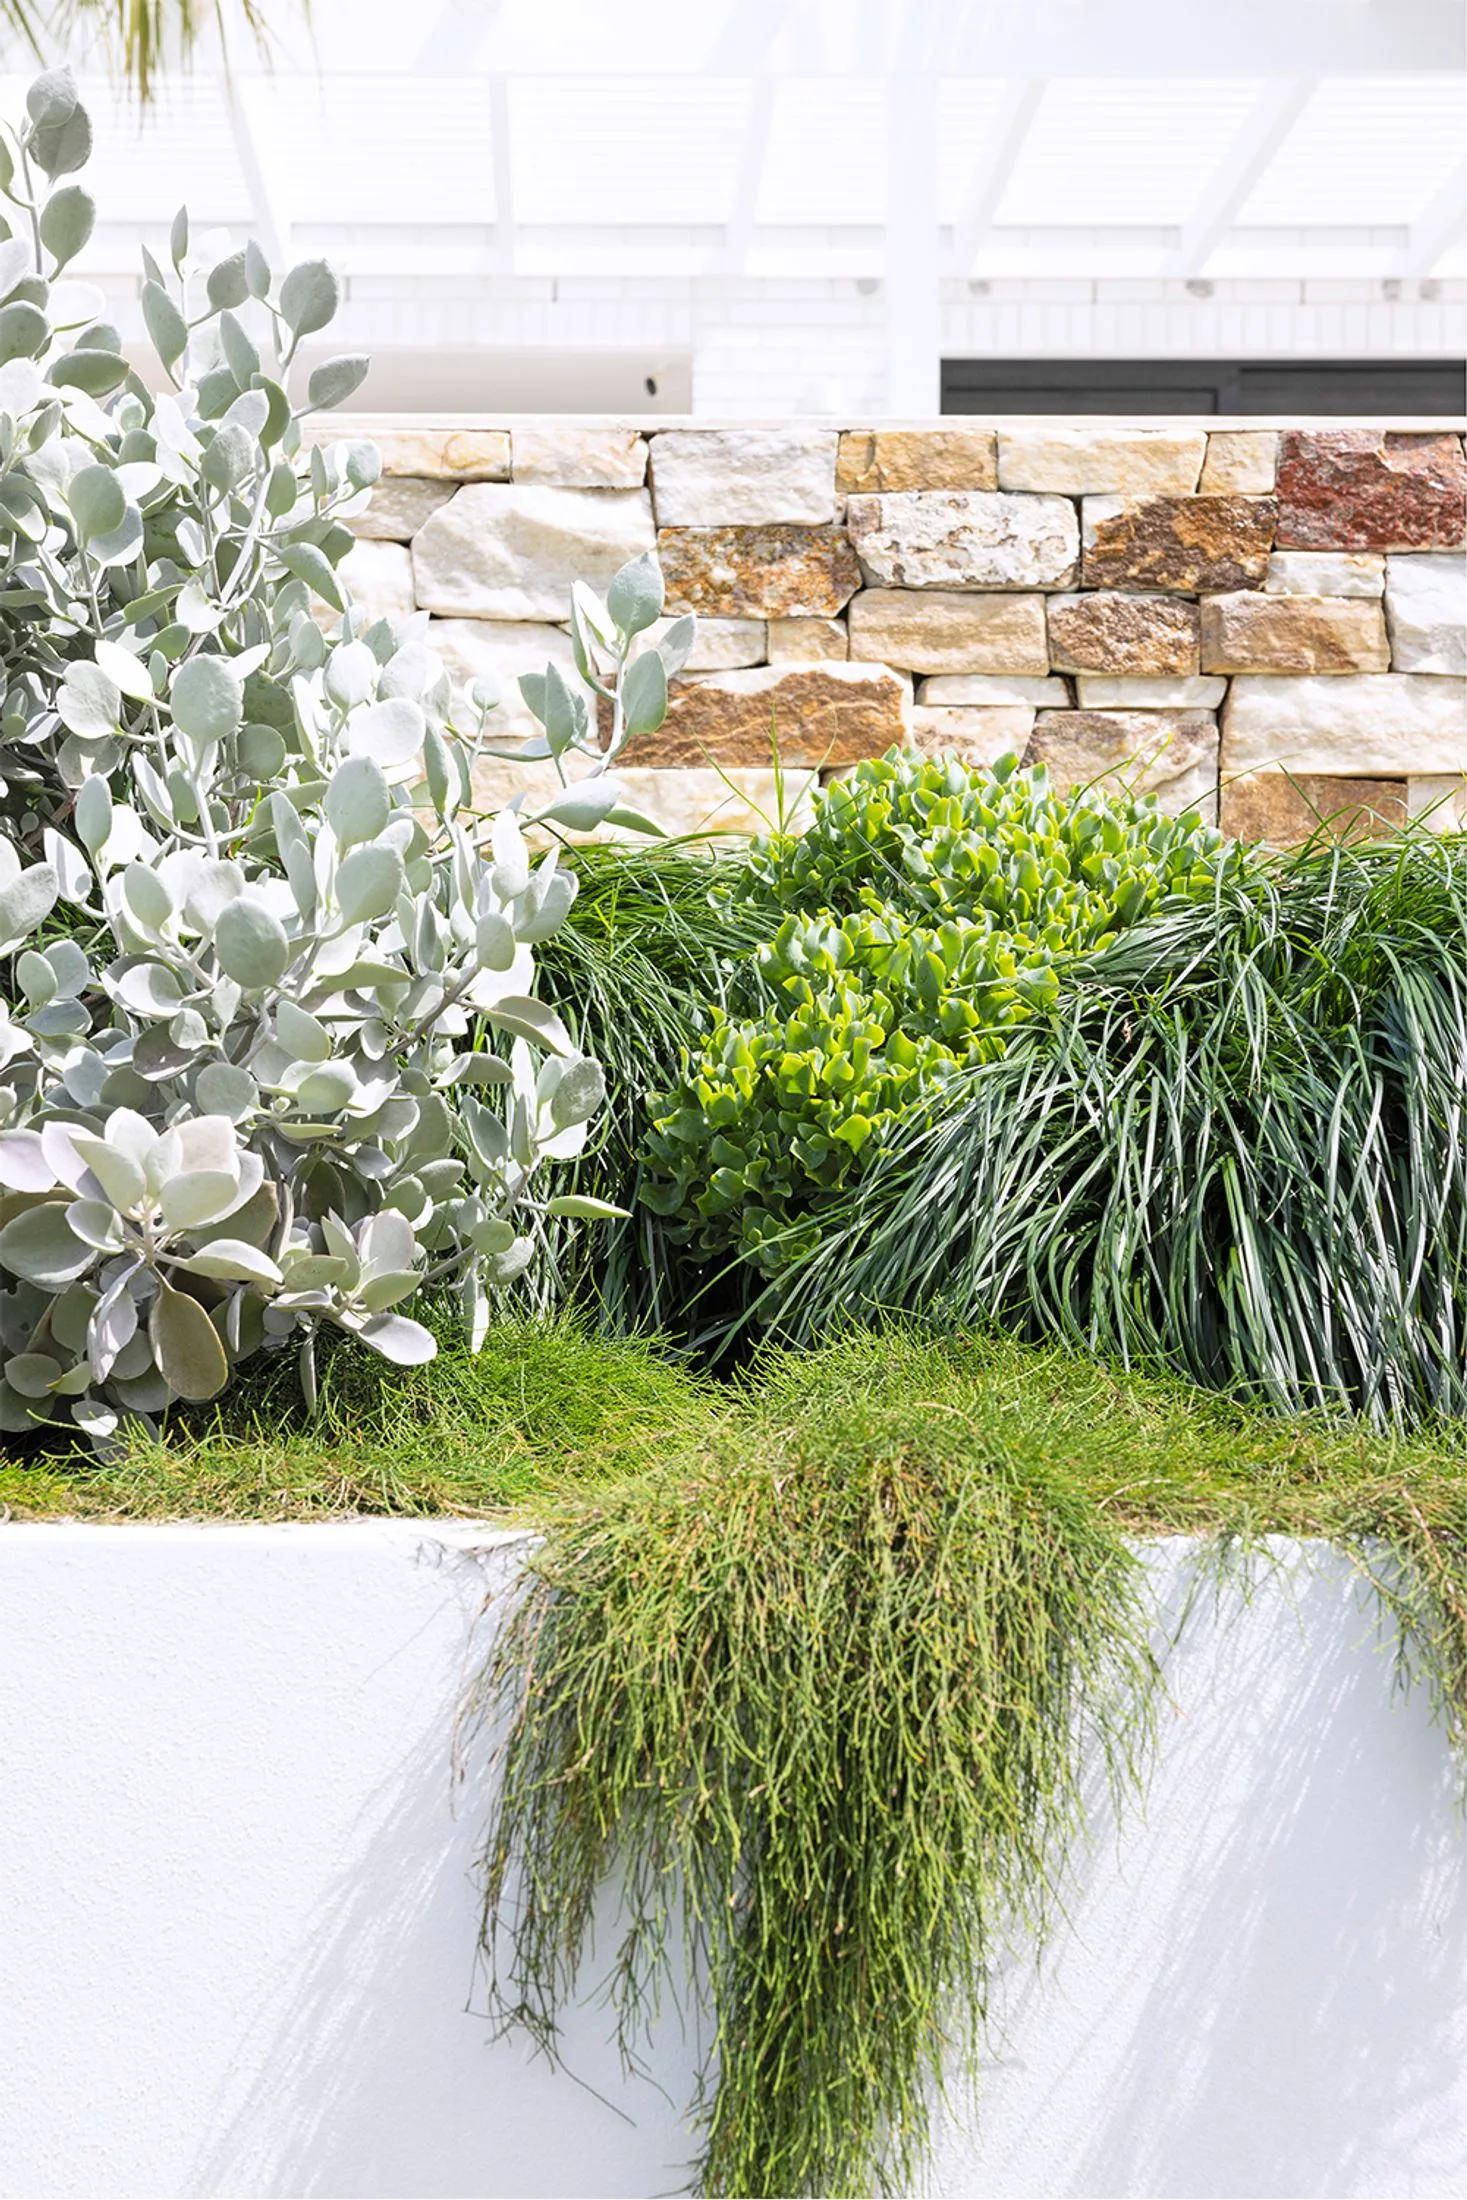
<point>237,1908</point>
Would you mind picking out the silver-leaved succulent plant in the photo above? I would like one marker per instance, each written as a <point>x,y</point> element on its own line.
<point>270,1051</point>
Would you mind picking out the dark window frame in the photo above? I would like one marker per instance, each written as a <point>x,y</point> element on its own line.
<point>1419,388</point>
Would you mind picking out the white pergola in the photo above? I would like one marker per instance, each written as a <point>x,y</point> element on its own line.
<point>909,144</point>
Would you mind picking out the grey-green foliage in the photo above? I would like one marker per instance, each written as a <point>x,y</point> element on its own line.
<point>263,944</point>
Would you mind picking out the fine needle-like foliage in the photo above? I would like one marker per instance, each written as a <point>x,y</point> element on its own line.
<point>823,1700</point>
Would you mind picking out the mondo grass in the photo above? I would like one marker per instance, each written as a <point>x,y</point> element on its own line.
<point>1238,1147</point>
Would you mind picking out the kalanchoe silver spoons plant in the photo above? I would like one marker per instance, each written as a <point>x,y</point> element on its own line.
<point>270,1052</point>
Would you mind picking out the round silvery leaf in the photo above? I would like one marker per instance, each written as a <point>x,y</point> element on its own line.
<point>97,499</point>
<point>23,330</point>
<point>186,1345</point>
<point>123,543</point>
<point>357,803</point>
<point>327,1089</point>
<point>251,945</point>
<point>36,978</point>
<point>369,882</point>
<point>198,1196</point>
<point>495,941</point>
<point>23,1163</point>
<point>88,703</point>
<point>127,673</point>
<point>582,807</point>
<point>26,902</point>
<point>309,297</point>
<point>230,1260</point>
<point>217,882</point>
<point>147,989</point>
<point>391,733</point>
<point>41,1247</point>
<point>551,908</point>
<point>66,222</point>
<point>120,1174</point>
<point>32,1374</point>
<point>406,1343</point>
<point>634,598</point>
<point>207,705</point>
<point>223,1089</point>
<point>92,811</point>
<point>303,1037</point>
<point>335,380</point>
<point>350,670</point>
<point>261,753</point>
<point>579,1092</point>
<point>228,284</point>
<point>148,899</point>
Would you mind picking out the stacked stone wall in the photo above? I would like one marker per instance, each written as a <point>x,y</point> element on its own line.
<point>1269,624</point>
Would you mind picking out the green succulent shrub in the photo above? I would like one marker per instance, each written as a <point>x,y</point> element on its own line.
<point>257,946</point>
<point>931,908</point>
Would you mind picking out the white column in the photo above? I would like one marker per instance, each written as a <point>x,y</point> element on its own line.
<point>913,298</point>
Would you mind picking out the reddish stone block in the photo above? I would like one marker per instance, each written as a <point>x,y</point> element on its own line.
<point>1370,489</point>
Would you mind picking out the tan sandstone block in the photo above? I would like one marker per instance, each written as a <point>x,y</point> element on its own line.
<point>816,715</point>
<point>399,506</point>
<point>933,630</point>
<point>977,736</point>
<point>379,577</point>
<point>1283,809</point>
<point>1240,462</point>
<point>807,641</point>
<point>1099,692</point>
<point>1133,462</point>
<point>995,691</point>
<point>1325,573</point>
<point>1185,544</point>
<point>719,645</point>
<point>1252,632</point>
<point>579,458</point>
<point>743,477</point>
<point>758,572</point>
<point>964,539</point>
<point>1382,725</point>
<point>1117,633</point>
<point>732,802</point>
<point>444,454</point>
<point>512,552</point>
<point>1171,754</point>
<point>889,459</point>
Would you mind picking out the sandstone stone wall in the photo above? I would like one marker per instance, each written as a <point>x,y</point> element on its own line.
<point>1269,624</point>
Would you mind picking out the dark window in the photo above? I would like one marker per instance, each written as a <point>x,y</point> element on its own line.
<point>1303,386</point>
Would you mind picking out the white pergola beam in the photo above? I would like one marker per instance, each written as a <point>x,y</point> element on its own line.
<point>1237,175</point>
<point>501,153</point>
<point>913,276</point>
<point>990,178</point>
<point>242,97</point>
<point>1439,225</point>
<point>740,231</point>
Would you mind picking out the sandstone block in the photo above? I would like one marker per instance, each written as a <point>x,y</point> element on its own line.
<point>1440,803</point>
<point>1240,462</point>
<point>964,539</point>
<point>1134,462</point>
<point>1185,544</point>
<point>1426,611</point>
<point>1118,633</point>
<point>379,577</point>
<point>721,645</point>
<point>758,572</point>
<point>1371,489</point>
<point>891,459</point>
<point>807,641</point>
<point>512,553</point>
<point>1325,573</point>
<point>701,802</point>
<point>1384,725</point>
<point>1099,692</point>
<point>1253,632</point>
<point>444,454</point>
<point>818,714</point>
<point>936,630</point>
<point>977,736</point>
<point>500,650</point>
<point>744,477</point>
<point>995,691</point>
<point>1172,755</point>
<point>579,458</point>
<point>399,506</point>
<point>1284,810</point>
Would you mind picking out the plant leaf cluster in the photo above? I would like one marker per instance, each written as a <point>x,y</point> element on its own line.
<point>929,909</point>
<point>265,947</point>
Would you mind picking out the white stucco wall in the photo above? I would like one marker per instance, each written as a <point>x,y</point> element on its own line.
<point>237,1911</point>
